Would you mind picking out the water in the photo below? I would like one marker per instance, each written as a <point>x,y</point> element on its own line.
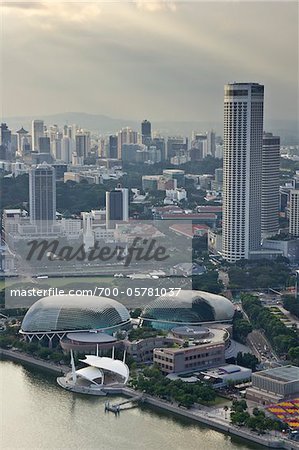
<point>38,414</point>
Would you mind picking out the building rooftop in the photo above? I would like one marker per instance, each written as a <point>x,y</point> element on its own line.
<point>285,373</point>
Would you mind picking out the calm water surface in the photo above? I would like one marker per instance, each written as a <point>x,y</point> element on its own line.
<point>37,414</point>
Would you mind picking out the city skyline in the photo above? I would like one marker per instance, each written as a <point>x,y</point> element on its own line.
<point>159,60</point>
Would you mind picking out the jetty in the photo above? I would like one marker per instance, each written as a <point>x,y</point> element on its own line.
<point>126,404</point>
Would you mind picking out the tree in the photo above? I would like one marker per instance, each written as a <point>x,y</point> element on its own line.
<point>247,360</point>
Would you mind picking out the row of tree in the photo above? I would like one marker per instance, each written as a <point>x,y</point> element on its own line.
<point>185,394</point>
<point>291,304</point>
<point>283,339</point>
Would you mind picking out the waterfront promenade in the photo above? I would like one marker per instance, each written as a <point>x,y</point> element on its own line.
<point>202,415</point>
<point>18,356</point>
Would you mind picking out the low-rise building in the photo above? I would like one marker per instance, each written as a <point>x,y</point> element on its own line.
<point>184,360</point>
<point>274,385</point>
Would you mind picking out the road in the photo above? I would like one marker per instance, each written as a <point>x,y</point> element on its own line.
<point>262,348</point>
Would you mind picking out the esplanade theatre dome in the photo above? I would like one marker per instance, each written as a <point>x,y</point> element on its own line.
<point>188,307</point>
<point>55,314</point>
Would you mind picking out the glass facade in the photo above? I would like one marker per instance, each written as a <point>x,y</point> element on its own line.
<point>189,308</point>
<point>65,313</point>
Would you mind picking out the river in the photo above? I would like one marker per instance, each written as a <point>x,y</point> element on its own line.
<point>37,414</point>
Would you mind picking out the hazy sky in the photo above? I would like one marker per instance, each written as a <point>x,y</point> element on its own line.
<point>160,60</point>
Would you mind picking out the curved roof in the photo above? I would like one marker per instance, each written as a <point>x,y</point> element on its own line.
<point>91,337</point>
<point>189,307</point>
<point>66,313</point>
<point>109,364</point>
<point>90,373</point>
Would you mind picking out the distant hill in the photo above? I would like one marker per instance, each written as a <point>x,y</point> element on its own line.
<point>99,123</point>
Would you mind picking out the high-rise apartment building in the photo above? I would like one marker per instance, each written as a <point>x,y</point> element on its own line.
<point>294,212</point>
<point>270,185</point>
<point>242,170</point>
<point>42,196</point>
<point>126,136</point>
<point>117,206</point>
<point>37,132</point>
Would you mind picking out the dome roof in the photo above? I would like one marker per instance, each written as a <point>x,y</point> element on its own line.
<point>65,313</point>
<point>189,307</point>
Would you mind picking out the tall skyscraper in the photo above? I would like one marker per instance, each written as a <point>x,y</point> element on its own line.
<point>117,206</point>
<point>126,136</point>
<point>66,154</point>
<point>211,143</point>
<point>37,132</point>
<point>21,134</point>
<point>294,212</point>
<point>42,196</point>
<point>5,142</point>
<point>112,147</point>
<point>242,170</point>
<point>82,144</point>
<point>270,184</point>
<point>44,144</point>
<point>146,132</point>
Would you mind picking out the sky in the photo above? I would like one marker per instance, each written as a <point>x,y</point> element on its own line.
<point>161,60</point>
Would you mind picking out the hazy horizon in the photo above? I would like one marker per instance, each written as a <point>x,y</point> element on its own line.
<point>165,61</point>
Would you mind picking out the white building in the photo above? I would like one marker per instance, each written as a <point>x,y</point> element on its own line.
<point>242,169</point>
<point>37,132</point>
<point>178,194</point>
<point>294,212</point>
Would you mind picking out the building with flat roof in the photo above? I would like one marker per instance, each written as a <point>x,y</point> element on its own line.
<point>226,374</point>
<point>188,359</point>
<point>273,385</point>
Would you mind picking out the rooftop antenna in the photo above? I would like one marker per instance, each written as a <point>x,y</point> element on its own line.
<point>97,349</point>
<point>124,358</point>
<point>112,353</point>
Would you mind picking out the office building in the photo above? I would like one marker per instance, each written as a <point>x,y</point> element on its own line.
<point>146,132</point>
<point>44,144</point>
<point>196,357</point>
<point>117,206</point>
<point>211,143</point>
<point>82,144</point>
<point>294,213</point>
<point>66,152</point>
<point>175,145</point>
<point>42,196</point>
<point>159,143</point>
<point>37,132</point>
<point>270,185</point>
<point>242,170</point>
<point>5,142</point>
<point>112,147</point>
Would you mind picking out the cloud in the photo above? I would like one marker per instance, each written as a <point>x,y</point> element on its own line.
<point>82,12</point>
<point>155,6</point>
